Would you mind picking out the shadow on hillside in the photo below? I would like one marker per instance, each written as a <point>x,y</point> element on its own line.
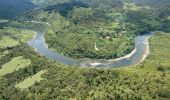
<point>64,8</point>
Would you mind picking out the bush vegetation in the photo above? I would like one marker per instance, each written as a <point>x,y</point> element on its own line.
<point>74,33</point>
<point>77,28</point>
<point>66,82</point>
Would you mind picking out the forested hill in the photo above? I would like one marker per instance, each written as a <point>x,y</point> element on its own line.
<point>12,8</point>
<point>91,2</point>
<point>49,2</point>
<point>154,3</point>
<point>110,25</point>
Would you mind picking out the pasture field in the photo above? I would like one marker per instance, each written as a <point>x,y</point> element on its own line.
<point>8,42</point>
<point>168,17</point>
<point>31,80</point>
<point>14,65</point>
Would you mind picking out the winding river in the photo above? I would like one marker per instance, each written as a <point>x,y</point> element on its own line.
<point>135,57</point>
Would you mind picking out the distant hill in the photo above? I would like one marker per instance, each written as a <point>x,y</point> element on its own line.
<point>90,2</point>
<point>49,2</point>
<point>152,3</point>
<point>12,8</point>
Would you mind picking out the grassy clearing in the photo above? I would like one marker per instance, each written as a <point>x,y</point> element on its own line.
<point>3,54</point>
<point>23,35</point>
<point>3,21</point>
<point>134,7</point>
<point>168,17</point>
<point>31,80</point>
<point>8,42</point>
<point>131,6</point>
<point>14,65</point>
<point>26,35</point>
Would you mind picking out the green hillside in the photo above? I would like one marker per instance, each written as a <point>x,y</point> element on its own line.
<point>148,80</point>
<point>97,29</point>
<point>93,29</point>
<point>88,25</point>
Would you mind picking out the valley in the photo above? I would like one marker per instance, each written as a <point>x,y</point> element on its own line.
<point>136,56</point>
<point>85,49</point>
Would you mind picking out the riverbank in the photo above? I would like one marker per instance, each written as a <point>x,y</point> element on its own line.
<point>117,59</point>
<point>93,78</point>
<point>146,53</point>
<point>113,60</point>
<point>126,56</point>
<point>141,45</point>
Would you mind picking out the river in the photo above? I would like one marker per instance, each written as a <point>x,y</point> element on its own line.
<point>135,57</point>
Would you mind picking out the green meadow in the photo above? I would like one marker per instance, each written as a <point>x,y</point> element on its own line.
<point>8,42</point>
<point>31,80</point>
<point>15,35</point>
<point>14,65</point>
<point>168,17</point>
<point>134,7</point>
